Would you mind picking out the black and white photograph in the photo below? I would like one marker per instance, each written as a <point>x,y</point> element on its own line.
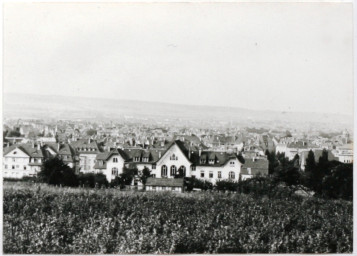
<point>192,127</point>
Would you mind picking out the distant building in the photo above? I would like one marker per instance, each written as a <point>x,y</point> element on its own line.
<point>87,149</point>
<point>345,153</point>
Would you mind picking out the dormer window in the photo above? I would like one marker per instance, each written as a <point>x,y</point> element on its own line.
<point>136,159</point>
<point>211,161</point>
<point>173,157</point>
<point>203,161</point>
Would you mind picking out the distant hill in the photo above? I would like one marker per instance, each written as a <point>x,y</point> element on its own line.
<point>61,107</point>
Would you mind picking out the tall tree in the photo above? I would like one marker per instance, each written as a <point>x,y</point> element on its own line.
<point>145,174</point>
<point>273,161</point>
<point>55,172</point>
<point>310,162</point>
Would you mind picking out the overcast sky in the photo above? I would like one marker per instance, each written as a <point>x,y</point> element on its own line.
<point>282,56</point>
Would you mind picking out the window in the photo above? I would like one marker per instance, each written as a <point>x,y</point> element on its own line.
<point>115,171</point>
<point>210,174</point>
<point>203,161</point>
<point>15,152</point>
<point>5,166</point>
<point>232,163</point>
<point>232,175</point>
<point>193,176</point>
<point>182,171</point>
<point>173,157</point>
<point>154,175</point>
<point>115,160</point>
<point>136,159</point>
<point>193,168</point>
<point>219,175</point>
<point>249,171</point>
<point>24,167</point>
<point>211,161</point>
<point>173,170</point>
<point>13,167</point>
<point>153,166</point>
<point>164,171</point>
<point>202,174</point>
<point>14,159</point>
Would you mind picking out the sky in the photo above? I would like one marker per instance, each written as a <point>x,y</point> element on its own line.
<point>264,56</point>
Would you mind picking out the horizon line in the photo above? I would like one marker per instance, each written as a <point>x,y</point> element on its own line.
<point>180,104</point>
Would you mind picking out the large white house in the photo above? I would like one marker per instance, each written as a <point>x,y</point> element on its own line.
<point>22,160</point>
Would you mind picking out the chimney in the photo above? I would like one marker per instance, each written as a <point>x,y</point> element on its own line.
<point>189,153</point>
<point>33,144</point>
<point>88,140</point>
<point>159,154</point>
<point>58,146</point>
<point>108,148</point>
<point>199,152</point>
<point>38,146</point>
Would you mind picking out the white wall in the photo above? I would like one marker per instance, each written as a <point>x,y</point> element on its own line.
<point>15,164</point>
<point>87,162</point>
<point>111,164</point>
<point>165,160</point>
<point>236,168</point>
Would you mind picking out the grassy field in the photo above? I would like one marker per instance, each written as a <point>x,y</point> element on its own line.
<point>64,220</point>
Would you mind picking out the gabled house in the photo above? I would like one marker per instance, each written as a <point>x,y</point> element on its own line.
<point>22,160</point>
<point>110,163</point>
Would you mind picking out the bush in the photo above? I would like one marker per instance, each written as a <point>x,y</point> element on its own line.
<point>191,183</point>
<point>92,180</point>
<point>229,185</point>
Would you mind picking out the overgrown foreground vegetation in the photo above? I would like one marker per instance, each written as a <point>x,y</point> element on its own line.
<point>73,220</point>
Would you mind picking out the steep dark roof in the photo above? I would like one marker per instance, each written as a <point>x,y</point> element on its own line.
<point>165,182</point>
<point>27,148</point>
<point>85,144</point>
<point>220,158</point>
<point>152,154</point>
<point>117,151</point>
<point>257,166</point>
